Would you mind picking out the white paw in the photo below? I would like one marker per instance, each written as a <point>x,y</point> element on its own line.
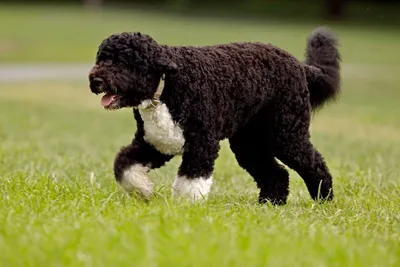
<point>136,179</point>
<point>193,188</point>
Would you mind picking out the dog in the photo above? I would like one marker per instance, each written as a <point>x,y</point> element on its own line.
<point>186,99</point>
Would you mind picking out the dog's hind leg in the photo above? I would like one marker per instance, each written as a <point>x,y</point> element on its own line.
<point>298,153</point>
<point>253,153</point>
<point>293,147</point>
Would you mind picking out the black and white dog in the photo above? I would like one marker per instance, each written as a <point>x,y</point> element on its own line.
<point>187,99</point>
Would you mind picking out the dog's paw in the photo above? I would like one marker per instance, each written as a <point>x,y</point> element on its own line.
<point>194,189</point>
<point>135,180</point>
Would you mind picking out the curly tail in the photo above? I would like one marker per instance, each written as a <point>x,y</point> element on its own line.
<point>322,66</point>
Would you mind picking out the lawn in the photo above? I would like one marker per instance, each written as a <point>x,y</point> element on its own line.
<point>60,205</point>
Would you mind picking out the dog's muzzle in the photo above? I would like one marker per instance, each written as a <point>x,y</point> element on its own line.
<point>97,85</point>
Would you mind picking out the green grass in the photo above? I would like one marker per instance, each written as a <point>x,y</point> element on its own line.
<point>60,205</point>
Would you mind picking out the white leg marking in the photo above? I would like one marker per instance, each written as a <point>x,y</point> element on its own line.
<point>194,189</point>
<point>135,178</point>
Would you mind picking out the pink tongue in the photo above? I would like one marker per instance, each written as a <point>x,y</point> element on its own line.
<point>107,99</point>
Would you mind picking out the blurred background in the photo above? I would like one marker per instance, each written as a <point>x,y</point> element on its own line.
<point>56,40</point>
<point>47,47</point>
<point>70,30</point>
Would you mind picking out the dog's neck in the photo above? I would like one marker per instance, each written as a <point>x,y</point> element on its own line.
<point>160,88</point>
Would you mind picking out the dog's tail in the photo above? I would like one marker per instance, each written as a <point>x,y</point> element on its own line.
<point>322,66</point>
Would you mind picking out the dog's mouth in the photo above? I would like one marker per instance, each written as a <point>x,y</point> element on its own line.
<point>110,101</point>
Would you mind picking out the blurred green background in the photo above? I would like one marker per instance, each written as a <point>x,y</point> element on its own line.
<point>56,31</point>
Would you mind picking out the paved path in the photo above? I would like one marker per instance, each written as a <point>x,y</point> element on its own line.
<point>79,71</point>
<point>43,72</point>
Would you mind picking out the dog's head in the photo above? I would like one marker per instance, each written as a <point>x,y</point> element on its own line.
<point>128,69</point>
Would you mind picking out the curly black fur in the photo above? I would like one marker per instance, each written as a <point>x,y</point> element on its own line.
<point>257,95</point>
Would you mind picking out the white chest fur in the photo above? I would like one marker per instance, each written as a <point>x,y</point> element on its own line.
<point>160,129</point>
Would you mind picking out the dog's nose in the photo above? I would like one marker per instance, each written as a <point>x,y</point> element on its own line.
<point>97,82</point>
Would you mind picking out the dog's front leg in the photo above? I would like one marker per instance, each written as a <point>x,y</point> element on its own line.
<point>132,164</point>
<point>194,177</point>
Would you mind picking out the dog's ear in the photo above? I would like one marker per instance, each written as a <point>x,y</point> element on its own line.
<point>166,66</point>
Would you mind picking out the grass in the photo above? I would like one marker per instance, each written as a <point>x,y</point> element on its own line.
<point>60,205</point>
